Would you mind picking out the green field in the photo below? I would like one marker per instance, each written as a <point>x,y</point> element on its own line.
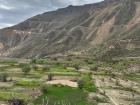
<point>60,93</point>
<point>19,81</point>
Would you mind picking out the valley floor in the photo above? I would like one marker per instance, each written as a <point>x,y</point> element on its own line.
<point>69,82</point>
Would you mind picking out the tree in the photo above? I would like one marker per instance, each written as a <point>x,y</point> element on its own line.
<point>34,66</point>
<point>50,76</point>
<point>3,77</point>
<point>133,94</point>
<point>77,67</point>
<point>80,83</point>
<point>26,68</point>
<point>34,61</point>
<point>44,88</point>
<point>117,83</point>
<point>112,75</point>
<point>94,67</point>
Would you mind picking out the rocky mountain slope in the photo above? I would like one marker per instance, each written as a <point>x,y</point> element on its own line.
<point>107,29</point>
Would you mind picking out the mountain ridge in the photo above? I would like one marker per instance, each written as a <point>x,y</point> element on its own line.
<point>106,29</point>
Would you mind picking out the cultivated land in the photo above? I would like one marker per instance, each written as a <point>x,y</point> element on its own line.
<point>70,81</point>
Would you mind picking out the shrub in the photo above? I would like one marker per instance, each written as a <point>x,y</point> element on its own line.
<point>50,76</point>
<point>34,61</point>
<point>34,67</point>
<point>69,59</point>
<point>112,75</point>
<point>117,83</point>
<point>88,83</point>
<point>25,68</point>
<point>76,66</point>
<point>44,88</point>
<point>89,86</point>
<point>46,68</point>
<point>90,61</point>
<point>94,67</point>
<point>3,77</point>
<point>80,83</point>
<point>120,66</point>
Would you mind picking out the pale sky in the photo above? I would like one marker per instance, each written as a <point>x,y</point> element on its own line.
<point>15,11</point>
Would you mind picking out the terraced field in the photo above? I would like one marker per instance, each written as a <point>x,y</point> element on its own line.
<point>66,82</point>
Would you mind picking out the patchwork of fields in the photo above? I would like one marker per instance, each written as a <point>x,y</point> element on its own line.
<point>67,82</point>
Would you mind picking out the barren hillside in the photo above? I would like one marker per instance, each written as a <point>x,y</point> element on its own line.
<point>109,28</point>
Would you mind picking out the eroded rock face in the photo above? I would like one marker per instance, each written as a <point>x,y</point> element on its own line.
<point>109,28</point>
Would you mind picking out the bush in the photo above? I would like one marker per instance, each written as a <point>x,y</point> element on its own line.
<point>50,76</point>
<point>89,61</point>
<point>46,68</point>
<point>34,61</point>
<point>3,77</point>
<point>120,66</point>
<point>89,86</point>
<point>34,67</point>
<point>44,88</point>
<point>94,67</point>
<point>76,66</point>
<point>88,83</point>
<point>25,68</point>
<point>80,83</point>
<point>112,75</point>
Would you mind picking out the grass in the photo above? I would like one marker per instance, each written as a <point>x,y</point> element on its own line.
<point>9,95</point>
<point>133,77</point>
<point>59,93</point>
<point>61,69</point>
<point>9,62</point>
<point>65,73</point>
<point>28,83</point>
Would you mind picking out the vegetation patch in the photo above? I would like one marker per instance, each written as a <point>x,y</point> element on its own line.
<point>4,96</point>
<point>56,94</point>
<point>133,77</point>
<point>28,83</point>
<point>87,84</point>
<point>9,62</point>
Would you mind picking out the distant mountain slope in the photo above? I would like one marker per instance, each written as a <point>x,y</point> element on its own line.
<point>109,28</point>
